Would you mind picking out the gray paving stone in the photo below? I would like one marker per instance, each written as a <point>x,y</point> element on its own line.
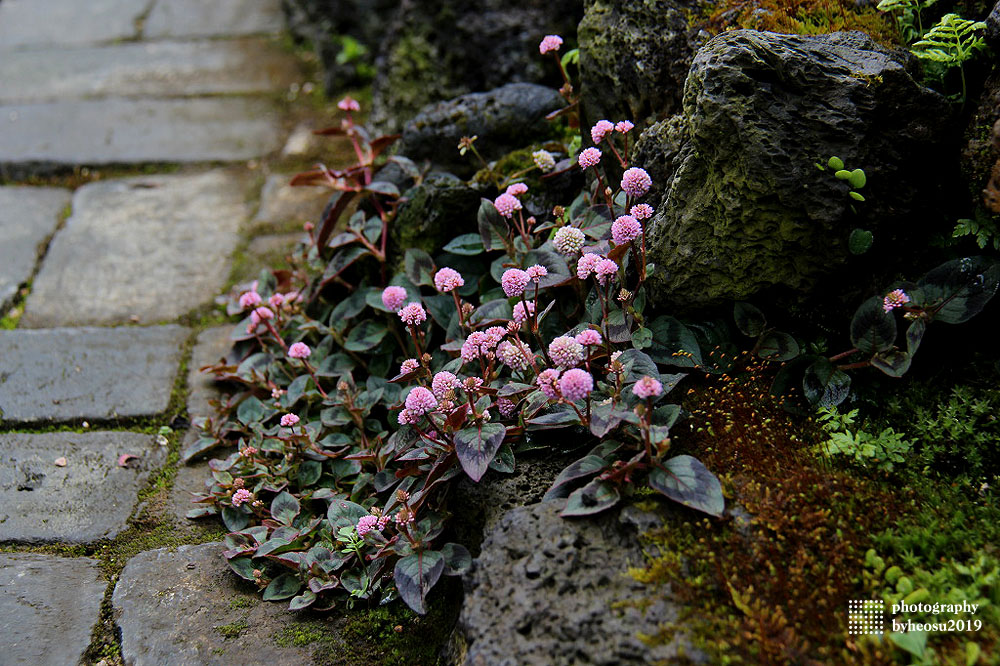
<point>36,23</point>
<point>143,249</point>
<point>88,499</point>
<point>212,345</point>
<point>172,609</point>
<point>28,216</point>
<point>87,373</point>
<point>138,130</point>
<point>48,607</point>
<point>281,203</point>
<point>201,18</point>
<point>158,69</point>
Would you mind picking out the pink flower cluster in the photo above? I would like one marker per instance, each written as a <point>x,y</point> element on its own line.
<point>566,352</point>
<point>443,382</point>
<point>594,263</point>
<point>576,384</point>
<point>589,338</point>
<point>249,299</point>
<point>647,387</point>
<point>348,104</point>
<point>420,400</point>
<point>589,157</point>
<point>514,354</point>
<point>624,126</point>
<point>636,182</point>
<point>600,130</point>
<point>536,272</point>
<point>393,298</point>
<point>548,383</point>
<point>520,316</point>
<point>642,211</point>
<point>288,420</point>
<point>408,366</point>
<point>448,279</point>
<point>625,230</point>
<point>513,281</point>
<point>517,189</point>
<point>507,204</point>
<point>242,496</point>
<point>368,523</point>
<point>550,43</point>
<point>413,314</point>
<point>895,299</point>
<point>544,160</point>
<point>299,350</point>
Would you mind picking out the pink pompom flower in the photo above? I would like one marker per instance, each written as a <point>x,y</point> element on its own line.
<point>588,158</point>
<point>393,298</point>
<point>507,204</point>
<point>895,299</point>
<point>568,240</point>
<point>600,130</point>
<point>513,281</point>
<point>408,366</point>
<point>413,314</point>
<point>516,189</point>
<point>604,269</point>
<point>520,316</point>
<point>576,384</point>
<point>636,182</point>
<point>249,299</point>
<point>264,313</point>
<point>550,43</point>
<point>625,230</point>
<point>443,382</point>
<point>642,211</point>
<point>420,400</point>
<point>548,383</point>
<point>348,104</point>
<point>366,524</point>
<point>407,417</point>
<point>589,338</point>
<point>536,272</point>
<point>288,420</point>
<point>476,345</point>
<point>623,126</point>
<point>647,387</point>
<point>507,407</point>
<point>514,354</point>
<point>566,352</point>
<point>448,279</point>
<point>242,496</point>
<point>299,350</point>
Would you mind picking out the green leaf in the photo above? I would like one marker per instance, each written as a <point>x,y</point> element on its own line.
<point>857,179</point>
<point>605,418</point>
<point>342,513</point>
<point>415,575</point>
<point>495,310</point>
<point>342,260</point>
<point>843,174</point>
<point>197,447</point>
<point>366,335</point>
<point>349,308</point>
<point>243,566</point>
<point>892,362</point>
<point>672,342</point>
<point>824,385</point>
<point>284,508</point>
<point>642,338</point>
<point>561,416</point>
<point>959,289</point>
<point>383,187</point>
<point>234,518</point>
<point>492,226</point>
<point>835,163</point>
<point>457,559</point>
<point>476,447</point>
<point>872,328</point>
<point>251,410</point>
<point>419,267</point>
<point>638,365</point>
<point>860,241</point>
<point>284,586</point>
<point>465,244</point>
<point>304,600</point>
<point>588,465</point>
<point>750,320</point>
<point>914,642</point>
<point>914,335</point>
<point>593,498</point>
<point>686,480</point>
<point>777,346</point>
<point>309,473</point>
<point>856,196</point>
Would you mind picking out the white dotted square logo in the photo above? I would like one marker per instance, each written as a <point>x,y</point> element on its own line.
<point>865,616</point>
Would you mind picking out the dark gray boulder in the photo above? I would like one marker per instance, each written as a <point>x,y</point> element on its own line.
<point>435,211</point>
<point>993,28</point>
<point>504,119</point>
<point>433,51</point>
<point>543,588</point>
<point>746,210</point>
<point>634,57</point>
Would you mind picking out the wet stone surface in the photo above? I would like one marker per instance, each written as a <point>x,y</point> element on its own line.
<point>40,23</point>
<point>137,130</point>
<point>186,607</point>
<point>87,373</point>
<point>89,498</point>
<point>282,204</point>
<point>28,216</point>
<point>48,606</point>
<point>146,249</point>
<point>199,18</point>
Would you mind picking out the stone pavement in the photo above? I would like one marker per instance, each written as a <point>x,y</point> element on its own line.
<point>103,288</point>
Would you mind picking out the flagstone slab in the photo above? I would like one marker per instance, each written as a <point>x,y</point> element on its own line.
<point>146,249</point>
<point>114,130</point>
<point>48,608</point>
<point>72,374</point>
<point>280,203</point>
<point>159,69</point>
<point>211,18</point>
<point>62,23</point>
<point>28,217</point>
<point>88,499</point>
<point>182,607</point>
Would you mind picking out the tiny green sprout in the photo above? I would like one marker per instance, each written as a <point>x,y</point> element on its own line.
<point>835,163</point>
<point>166,431</point>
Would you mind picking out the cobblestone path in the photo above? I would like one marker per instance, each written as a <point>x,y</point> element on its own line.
<point>165,118</point>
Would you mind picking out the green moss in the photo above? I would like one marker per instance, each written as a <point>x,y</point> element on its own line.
<point>237,603</point>
<point>233,629</point>
<point>303,635</point>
